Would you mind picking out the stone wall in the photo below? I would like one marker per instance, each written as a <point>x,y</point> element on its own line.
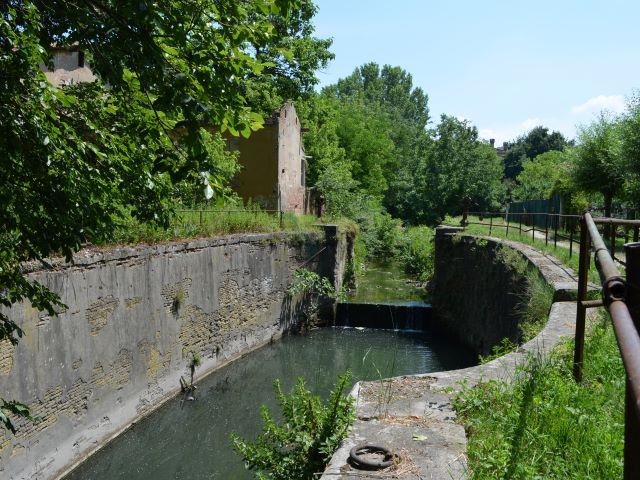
<point>476,293</point>
<point>133,317</point>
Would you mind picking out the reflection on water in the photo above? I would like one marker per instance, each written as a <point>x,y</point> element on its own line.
<point>384,282</point>
<point>191,440</point>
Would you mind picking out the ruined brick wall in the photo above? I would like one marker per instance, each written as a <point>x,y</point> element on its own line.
<point>133,317</point>
<point>291,160</point>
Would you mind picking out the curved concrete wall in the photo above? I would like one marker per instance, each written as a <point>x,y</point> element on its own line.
<point>476,291</point>
<point>134,316</point>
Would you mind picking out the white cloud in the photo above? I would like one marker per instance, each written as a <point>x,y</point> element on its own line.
<point>612,103</point>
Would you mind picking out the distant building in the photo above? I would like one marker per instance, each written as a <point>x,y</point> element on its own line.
<point>501,151</point>
<point>69,67</point>
<point>273,163</point>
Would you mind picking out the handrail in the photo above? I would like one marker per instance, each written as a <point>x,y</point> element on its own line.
<point>620,296</point>
<point>622,299</point>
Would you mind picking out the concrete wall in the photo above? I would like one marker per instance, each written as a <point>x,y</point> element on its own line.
<point>475,294</point>
<point>258,178</point>
<point>133,317</point>
<point>66,68</point>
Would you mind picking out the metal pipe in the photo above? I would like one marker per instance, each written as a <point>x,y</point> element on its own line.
<point>592,303</point>
<point>605,264</point>
<point>615,221</point>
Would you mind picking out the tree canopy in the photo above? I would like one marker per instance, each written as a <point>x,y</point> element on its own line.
<point>529,146</point>
<point>77,159</point>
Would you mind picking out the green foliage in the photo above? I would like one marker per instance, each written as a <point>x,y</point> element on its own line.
<point>599,166</point>
<point>302,444</point>
<point>631,149</point>
<point>540,177</point>
<point>315,289</point>
<point>529,146</point>
<point>543,424</point>
<point>418,256</point>
<point>460,166</point>
<point>505,346</point>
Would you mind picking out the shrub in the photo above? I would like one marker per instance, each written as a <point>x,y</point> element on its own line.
<point>304,442</point>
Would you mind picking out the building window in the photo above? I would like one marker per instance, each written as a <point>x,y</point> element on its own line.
<point>302,172</point>
<point>80,59</point>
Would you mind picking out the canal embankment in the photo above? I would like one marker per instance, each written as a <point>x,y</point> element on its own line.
<point>135,317</point>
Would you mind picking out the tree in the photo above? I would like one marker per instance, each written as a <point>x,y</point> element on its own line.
<point>76,160</point>
<point>529,146</point>
<point>387,101</point>
<point>291,59</point>
<point>540,177</point>
<point>460,166</point>
<point>599,167</point>
<point>630,132</point>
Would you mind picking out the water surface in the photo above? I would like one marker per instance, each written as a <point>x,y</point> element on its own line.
<point>387,282</point>
<point>190,440</point>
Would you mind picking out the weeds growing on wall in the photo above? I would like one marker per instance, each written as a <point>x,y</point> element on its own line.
<point>315,289</point>
<point>302,444</point>
<point>545,425</point>
<point>536,296</point>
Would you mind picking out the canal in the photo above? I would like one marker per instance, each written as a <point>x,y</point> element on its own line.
<point>190,439</point>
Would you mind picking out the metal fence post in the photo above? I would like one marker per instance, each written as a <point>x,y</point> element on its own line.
<point>533,229</point>
<point>632,422</point>
<point>583,270</point>
<point>546,229</point>
<point>490,223</point>
<point>572,227</point>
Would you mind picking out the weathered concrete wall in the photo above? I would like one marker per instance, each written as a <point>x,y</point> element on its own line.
<point>476,292</point>
<point>134,316</point>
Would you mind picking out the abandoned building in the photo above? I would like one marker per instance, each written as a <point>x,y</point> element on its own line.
<point>273,163</point>
<point>69,67</point>
<point>272,160</point>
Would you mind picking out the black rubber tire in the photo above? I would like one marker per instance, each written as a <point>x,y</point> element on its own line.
<point>365,464</point>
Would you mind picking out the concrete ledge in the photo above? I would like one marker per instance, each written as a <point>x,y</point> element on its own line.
<point>413,415</point>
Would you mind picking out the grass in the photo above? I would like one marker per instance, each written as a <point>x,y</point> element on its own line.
<point>545,425</point>
<point>560,252</point>
<point>210,222</point>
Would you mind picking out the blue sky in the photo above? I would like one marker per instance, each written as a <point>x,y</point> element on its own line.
<point>505,65</point>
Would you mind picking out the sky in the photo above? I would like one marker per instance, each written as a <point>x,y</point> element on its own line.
<point>507,66</point>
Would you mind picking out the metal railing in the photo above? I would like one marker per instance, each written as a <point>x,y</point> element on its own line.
<point>620,296</point>
<point>556,227</point>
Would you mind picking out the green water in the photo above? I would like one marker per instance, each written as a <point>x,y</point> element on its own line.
<point>190,440</point>
<point>385,282</point>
